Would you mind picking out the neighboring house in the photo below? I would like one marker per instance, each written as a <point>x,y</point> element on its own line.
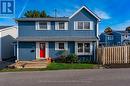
<point>40,38</point>
<point>115,38</point>
<point>8,35</point>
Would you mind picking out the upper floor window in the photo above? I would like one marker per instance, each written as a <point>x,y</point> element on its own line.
<point>83,25</point>
<point>61,25</point>
<point>110,37</point>
<point>43,25</point>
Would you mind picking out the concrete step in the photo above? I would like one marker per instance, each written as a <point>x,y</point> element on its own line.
<point>30,64</point>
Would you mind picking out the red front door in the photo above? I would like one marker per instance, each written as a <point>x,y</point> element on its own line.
<point>42,50</point>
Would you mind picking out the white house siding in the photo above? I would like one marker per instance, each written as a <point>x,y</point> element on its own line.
<point>8,36</point>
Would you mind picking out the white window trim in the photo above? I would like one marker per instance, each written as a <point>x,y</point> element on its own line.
<point>57,26</point>
<point>38,27</point>
<point>76,25</point>
<point>76,49</point>
<point>57,46</point>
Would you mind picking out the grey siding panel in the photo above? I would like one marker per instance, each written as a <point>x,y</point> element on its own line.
<point>25,49</point>
<point>7,47</point>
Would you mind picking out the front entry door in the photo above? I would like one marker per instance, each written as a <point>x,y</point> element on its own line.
<point>42,50</point>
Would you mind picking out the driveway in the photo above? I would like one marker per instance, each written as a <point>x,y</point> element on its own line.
<point>94,77</point>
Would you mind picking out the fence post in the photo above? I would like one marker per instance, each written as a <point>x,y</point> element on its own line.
<point>125,51</point>
<point>103,57</point>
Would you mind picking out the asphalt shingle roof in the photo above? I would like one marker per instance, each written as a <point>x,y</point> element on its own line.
<point>44,19</point>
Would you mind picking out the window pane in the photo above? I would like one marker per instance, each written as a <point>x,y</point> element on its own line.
<point>110,37</point>
<point>61,25</point>
<point>80,47</point>
<point>86,47</point>
<point>80,25</point>
<point>61,45</point>
<point>86,25</point>
<point>42,25</point>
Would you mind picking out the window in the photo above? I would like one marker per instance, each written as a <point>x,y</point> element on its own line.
<point>80,25</point>
<point>83,25</point>
<point>61,25</point>
<point>61,46</point>
<point>83,48</point>
<point>110,37</point>
<point>86,25</point>
<point>42,25</point>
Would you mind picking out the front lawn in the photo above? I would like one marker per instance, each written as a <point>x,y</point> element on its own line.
<point>54,66</point>
<point>59,66</point>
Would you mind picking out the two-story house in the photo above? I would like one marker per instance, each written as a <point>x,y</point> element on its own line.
<point>115,38</point>
<point>40,38</point>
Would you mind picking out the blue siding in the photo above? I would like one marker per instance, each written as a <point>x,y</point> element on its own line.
<point>28,28</point>
<point>25,49</point>
<point>25,53</point>
<point>116,38</point>
<point>56,53</point>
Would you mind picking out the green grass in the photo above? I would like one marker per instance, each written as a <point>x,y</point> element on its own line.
<point>60,66</point>
<point>54,66</point>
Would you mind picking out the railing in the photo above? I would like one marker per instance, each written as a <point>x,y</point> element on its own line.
<point>114,55</point>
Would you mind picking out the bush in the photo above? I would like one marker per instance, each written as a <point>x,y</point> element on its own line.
<point>72,58</point>
<point>61,58</point>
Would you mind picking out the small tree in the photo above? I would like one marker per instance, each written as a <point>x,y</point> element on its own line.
<point>43,14</point>
<point>36,14</point>
<point>28,14</point>
<point>108,30</point>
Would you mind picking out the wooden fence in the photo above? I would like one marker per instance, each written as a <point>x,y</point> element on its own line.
<point>114,55</point>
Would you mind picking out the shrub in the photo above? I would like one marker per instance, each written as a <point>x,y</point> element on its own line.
<point>71,58</point>
<point>61,58</point>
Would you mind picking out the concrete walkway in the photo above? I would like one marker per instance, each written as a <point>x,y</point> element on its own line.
<point>94,77</point>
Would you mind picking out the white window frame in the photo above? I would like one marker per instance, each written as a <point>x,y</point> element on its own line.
<point>76,25</point>
<point>38,27</point>
<point>84,53</point>
<point>57,46</point>
<point>57,26</point>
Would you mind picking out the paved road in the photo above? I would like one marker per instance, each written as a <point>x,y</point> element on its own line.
<point>95,77</point>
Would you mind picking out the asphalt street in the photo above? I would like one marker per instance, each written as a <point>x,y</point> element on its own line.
<point>89,77</point>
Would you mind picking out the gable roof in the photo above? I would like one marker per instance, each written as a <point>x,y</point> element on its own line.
<point>84,7</point>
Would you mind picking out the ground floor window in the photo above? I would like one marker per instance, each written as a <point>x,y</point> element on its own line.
<point>83,48</point>
<point>61,46</point>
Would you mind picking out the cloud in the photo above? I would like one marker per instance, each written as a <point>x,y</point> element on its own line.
<point>122,25</point>
<point>102,14</point>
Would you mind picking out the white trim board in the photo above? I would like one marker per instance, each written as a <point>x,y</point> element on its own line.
<point>87,10</point>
